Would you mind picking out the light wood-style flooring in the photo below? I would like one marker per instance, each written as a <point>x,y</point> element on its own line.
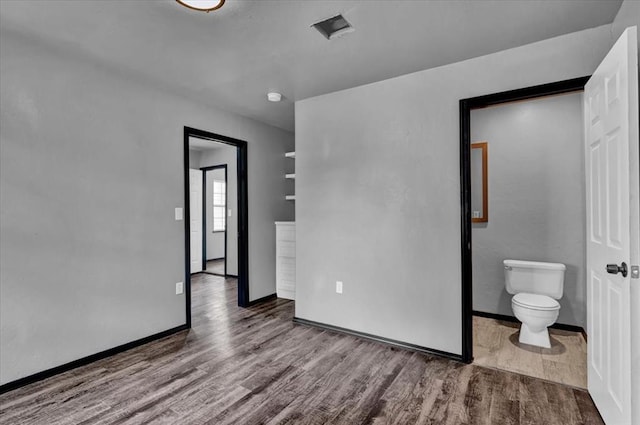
<point>495,344</point>
<point>254,366</point>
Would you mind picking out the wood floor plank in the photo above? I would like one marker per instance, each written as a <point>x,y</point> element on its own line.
<point>411,396</point>
<point>534,403</point>
<point>505,399</point>
<point>255,366</point>
<point>588,412</point>
<point>480,394</point>
<point>361,403</point>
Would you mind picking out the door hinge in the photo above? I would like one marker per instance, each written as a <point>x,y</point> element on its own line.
<point>635,272</point>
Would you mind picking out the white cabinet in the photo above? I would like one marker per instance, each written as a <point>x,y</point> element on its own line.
<point>286,259</point>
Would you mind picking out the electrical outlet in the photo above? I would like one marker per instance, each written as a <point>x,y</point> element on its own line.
<point>179,288</point>
<point>339,287</point>
<point>178,214</point>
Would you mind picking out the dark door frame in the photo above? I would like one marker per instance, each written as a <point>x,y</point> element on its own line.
<point>466,105</point>
<point>204,214</point>
<point>243,214</point>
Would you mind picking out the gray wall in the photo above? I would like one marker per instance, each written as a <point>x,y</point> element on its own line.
<point>225,154</point>
<point>628,16</point>
<point>536,198</point>
<point>194,158</point>
<point>215,240</point>
<point>378,190</point>
<point>91,169</point>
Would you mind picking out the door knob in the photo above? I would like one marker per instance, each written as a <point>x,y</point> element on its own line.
<point>614,268</point>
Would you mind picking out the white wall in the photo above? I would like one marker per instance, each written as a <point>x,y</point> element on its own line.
<point>91,169</point>
<point>378,190</point>
<point>536,199</point>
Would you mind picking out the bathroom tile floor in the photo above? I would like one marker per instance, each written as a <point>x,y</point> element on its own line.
<point>495,345</point>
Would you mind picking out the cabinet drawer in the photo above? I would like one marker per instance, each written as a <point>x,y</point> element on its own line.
<point>285,233</point>
<point>286,268</point>
<point>286,260</point>
<point>286,249</point>
<point>287,275</point>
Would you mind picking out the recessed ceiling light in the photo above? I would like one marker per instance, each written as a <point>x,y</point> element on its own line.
<point>274,96</point>
<point>202,5</point>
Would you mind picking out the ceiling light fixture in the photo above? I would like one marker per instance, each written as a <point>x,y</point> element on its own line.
<point>202,5</point>
<point>274,97</point>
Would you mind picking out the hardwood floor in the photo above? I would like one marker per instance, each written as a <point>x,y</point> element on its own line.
<point>254,366</point>
<point>495,344</point>
<point>215,266</point>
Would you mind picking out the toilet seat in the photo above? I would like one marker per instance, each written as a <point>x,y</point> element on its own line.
<point>535,301</point>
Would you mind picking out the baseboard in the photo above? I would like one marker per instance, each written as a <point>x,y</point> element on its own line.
<point>213,274</point>
<point>86,360</point>
<point>263,299</point>
<point>504,317</point>
<point>376,338</point>
<point>214,259</point>
<point>235,276</point>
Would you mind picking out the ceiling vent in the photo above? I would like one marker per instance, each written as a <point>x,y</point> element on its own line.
<point>333,27</point>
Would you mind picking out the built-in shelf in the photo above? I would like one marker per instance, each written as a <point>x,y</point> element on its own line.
<point>291,176</point>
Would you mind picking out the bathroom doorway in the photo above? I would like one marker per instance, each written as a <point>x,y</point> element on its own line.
<point>527,202</point>
<point>612,236</point>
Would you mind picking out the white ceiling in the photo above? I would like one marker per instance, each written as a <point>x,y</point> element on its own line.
<point>231,58</point>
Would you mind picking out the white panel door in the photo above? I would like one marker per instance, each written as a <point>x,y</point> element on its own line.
<point>195,213</point>
<point>610,152</point>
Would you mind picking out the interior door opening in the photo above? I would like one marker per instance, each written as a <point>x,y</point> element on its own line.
<point>527,162</point>
<point>466,106</point>
<point>612,231</point>
<point>216,213</point>
<point>219,226</point>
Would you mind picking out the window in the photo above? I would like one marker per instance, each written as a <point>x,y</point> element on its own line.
<point>219,205</point>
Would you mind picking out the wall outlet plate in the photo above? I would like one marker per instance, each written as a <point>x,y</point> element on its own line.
<point>339,287</point>
<point>179,288</point>
<point>179,214</point>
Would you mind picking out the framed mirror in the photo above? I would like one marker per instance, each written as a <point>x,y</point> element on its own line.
<point>479,183</point>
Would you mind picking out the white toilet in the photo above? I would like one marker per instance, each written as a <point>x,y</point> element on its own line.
<point>536,287</point>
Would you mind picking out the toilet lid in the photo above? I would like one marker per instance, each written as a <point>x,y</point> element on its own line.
<point>536,301</point>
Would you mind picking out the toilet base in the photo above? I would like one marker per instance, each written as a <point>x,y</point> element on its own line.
<point>539,339</point>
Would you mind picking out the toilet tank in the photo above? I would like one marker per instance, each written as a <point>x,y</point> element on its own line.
<point>534,277</point>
